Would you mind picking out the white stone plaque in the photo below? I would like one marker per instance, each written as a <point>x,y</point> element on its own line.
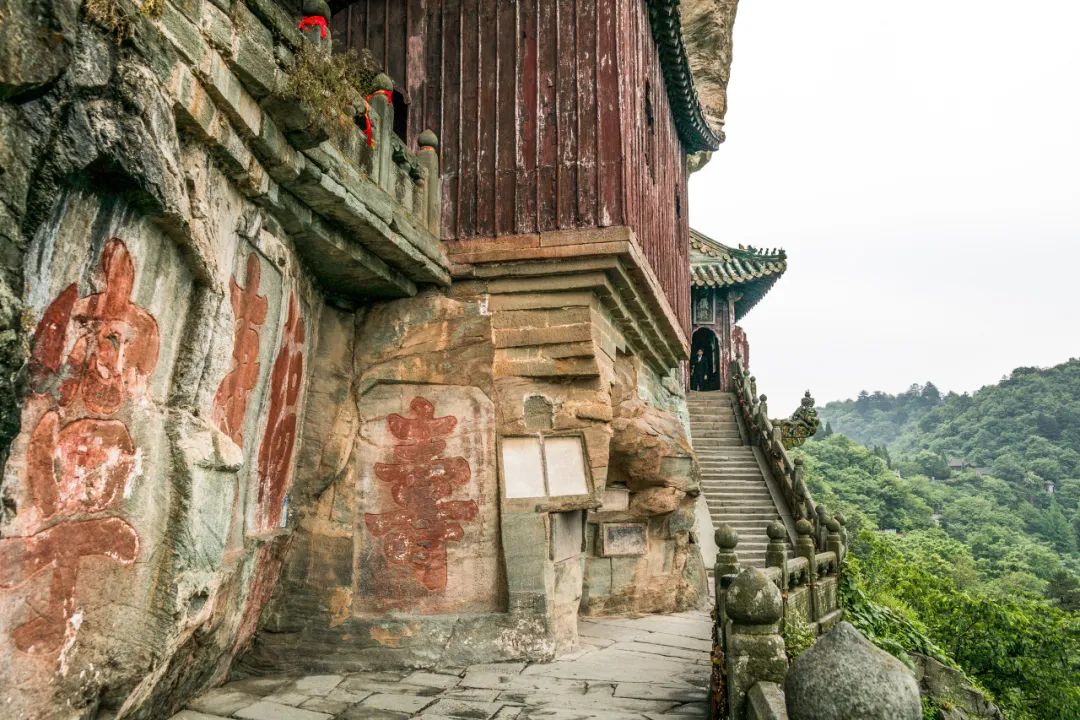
<point>523,467</point>
<point>565,466</point>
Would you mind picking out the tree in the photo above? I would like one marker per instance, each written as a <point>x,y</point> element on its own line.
<point>1064,591</point>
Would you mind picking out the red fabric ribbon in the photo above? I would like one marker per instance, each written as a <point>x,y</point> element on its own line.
<point>314,21</point>
<point>369,126</point>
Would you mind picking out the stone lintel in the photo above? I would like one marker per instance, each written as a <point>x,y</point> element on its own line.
<point>609,261</point>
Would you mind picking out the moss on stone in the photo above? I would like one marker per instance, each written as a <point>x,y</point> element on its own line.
<point>331,83</point>
<point>112,15</point>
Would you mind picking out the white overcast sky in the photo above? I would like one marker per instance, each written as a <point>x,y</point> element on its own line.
<point>920,163</point>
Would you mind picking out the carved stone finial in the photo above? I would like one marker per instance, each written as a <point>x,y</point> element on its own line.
<point>726,537</point>
<point>803,527</point>
<point>753,599</point>
<point>382,81</point>
<point>428,138</point>
<point>776,530</point>
<point>318,8</point>
<point>840,518</point>
<point>832,525</point>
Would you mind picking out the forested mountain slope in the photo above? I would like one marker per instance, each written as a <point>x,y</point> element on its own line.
<point>978,563</point>
<point>1015,451</point>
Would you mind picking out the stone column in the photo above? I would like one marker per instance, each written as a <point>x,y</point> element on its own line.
<point>833,543</point>
<point>755,650</point>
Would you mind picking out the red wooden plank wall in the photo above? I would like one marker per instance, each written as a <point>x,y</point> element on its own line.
<point>541,111</point>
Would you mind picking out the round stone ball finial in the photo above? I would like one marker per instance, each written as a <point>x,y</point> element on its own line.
<point>726,537</point>
<point>832,525</point>
<point>753,599</point>
<point>382,81</point>
<point>776,530</point>
<point>428,138</point>
<point>844,677</point>
<point>803,527</point>
<point>319,8</point>
<point>840,518</point>
<point>798,461</point>
<point>764,398</point>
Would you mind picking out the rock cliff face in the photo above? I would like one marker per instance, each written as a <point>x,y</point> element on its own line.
<point>708,27</point>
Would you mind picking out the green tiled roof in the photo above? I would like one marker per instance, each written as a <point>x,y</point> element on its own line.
<point>753,271</point>
<point>694,130</point>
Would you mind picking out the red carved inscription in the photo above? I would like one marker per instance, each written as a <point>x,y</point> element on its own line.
<point>420,483</point>
<point>275,453</point>
<point>90,357</point>
<point>231,398</point>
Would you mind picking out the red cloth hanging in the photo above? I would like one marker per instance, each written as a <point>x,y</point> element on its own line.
<point>314,21</point>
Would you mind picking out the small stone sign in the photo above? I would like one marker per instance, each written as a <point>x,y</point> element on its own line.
<point>622,539</point>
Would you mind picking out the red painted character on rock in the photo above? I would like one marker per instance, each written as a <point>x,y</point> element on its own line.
<point>91,357</point>
<point>275,453</point>
<point>249,309</point>
<point>420,483</point>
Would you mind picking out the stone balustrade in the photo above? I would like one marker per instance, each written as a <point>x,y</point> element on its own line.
<point>749,634</point>
<point>775,443</point>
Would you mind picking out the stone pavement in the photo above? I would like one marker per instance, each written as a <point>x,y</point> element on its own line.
<point>648,668</point>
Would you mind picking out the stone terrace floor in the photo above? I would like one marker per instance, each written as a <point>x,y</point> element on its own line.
<point>653,667</point>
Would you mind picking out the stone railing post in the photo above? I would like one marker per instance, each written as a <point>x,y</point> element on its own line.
<point>805,547</point>
<point>798,486</point>
<point>833,543</point>
<point>755,650</point>
<point>776,554</point>
<point>382,114</point>
<point>822,532</point>
<point>843,536</point>
<point>428,156</point>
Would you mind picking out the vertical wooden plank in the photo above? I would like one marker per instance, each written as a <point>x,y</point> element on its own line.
<point>587,114</point>
<point>450,160</point>
<point>341,29</point>
<point>609,126</point>
<point>567,109</point>
<point>431,108</point>
<point>486,118</point>
<point>376,32</point>
<point>395,42</point>
<point>525,163</point>
<point>415,78</point>
<point>506,119</point>
<point>470,118</point>
<point>547,112</point>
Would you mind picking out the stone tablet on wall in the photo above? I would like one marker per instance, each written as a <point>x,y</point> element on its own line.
<point>622,539</point>
<point>427,523</point>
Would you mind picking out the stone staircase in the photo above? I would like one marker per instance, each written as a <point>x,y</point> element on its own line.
<point>731,479</point>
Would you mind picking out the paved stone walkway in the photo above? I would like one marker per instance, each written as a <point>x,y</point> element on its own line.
<point>654,667</point>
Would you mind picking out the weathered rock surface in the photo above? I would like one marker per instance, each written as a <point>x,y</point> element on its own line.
<point>844,677</point>
<point>951,692</point>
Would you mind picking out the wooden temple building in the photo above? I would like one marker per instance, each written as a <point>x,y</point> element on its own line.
<point>726,284</point>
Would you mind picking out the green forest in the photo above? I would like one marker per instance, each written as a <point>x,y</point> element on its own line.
<point>964,512</point>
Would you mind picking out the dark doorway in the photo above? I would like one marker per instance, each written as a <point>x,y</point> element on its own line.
<point>704,360</point>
